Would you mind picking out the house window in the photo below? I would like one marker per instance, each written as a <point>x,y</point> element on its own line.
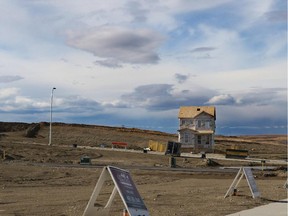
<point>182,122</point>
<point>199,139</point>
<point>186,137</point>
<point>207,125</point>
<point>207,140</point>
<point>199,123</point>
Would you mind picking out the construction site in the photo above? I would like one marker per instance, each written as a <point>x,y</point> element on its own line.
<point>38,179</point>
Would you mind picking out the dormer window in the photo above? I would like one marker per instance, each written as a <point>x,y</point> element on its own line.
<point>182,121</point>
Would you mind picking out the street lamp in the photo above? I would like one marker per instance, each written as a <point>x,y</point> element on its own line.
<point>50,131</point>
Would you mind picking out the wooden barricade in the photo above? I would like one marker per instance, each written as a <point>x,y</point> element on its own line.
<point>119,144</point>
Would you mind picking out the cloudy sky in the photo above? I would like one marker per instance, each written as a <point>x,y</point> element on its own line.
<point>134,63</point>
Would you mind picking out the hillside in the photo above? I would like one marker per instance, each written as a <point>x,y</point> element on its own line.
<point>80,134</point>
<point>265,146</point>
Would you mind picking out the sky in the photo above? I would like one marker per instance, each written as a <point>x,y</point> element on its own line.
<point>134,63</point>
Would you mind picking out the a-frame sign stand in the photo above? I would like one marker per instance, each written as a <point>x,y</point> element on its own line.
<point>244,171</point>
<point>286,184</point>
<point>124,185</point>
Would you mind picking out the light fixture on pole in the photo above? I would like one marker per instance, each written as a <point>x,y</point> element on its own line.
<point>50,129</point>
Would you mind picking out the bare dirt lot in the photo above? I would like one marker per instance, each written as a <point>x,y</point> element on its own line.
<point>37,179</point>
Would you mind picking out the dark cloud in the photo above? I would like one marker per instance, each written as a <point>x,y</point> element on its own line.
<point>111,63</point>
<point>149,94</point>
<point>163,97</point>
<point>255,96</point>
<point>121,45</point>
<point>250,115</point>
<point>205,56</point>
<point>264,96</point>
<point>76,104</point>
<point>202,52</point>
<point>251,119</point>
<point>7,79</point>
<point>181,78</point>
<point>203,49</point>
<point>277,16</point>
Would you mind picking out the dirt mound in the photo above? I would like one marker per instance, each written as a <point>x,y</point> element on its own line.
<point>32,130</point>
<point>13,126</point>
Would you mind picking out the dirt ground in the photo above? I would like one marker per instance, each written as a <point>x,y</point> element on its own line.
<point>37,179</point>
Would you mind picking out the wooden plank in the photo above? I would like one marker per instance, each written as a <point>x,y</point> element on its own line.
<point>120,144</point>
<point>234,183</point>
<point>90,208</point>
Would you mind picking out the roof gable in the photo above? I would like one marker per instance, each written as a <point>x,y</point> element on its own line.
<point>193,111</point>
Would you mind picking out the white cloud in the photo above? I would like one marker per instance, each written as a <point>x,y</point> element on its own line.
<point>8,92</point>
<point>121,44</point>
<point>23,100</point>
<point>221,100</point>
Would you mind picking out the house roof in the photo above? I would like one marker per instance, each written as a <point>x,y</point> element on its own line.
<point>193,111</point>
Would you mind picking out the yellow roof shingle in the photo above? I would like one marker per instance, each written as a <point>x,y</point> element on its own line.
<point>193,111</point>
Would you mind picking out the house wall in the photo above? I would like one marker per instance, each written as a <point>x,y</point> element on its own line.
<point>195,132</point>
<point>205,142</point>
<point>201,122</point>
<point>186,137</point>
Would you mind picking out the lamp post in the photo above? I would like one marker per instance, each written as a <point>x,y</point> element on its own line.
<point>50,130</point>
